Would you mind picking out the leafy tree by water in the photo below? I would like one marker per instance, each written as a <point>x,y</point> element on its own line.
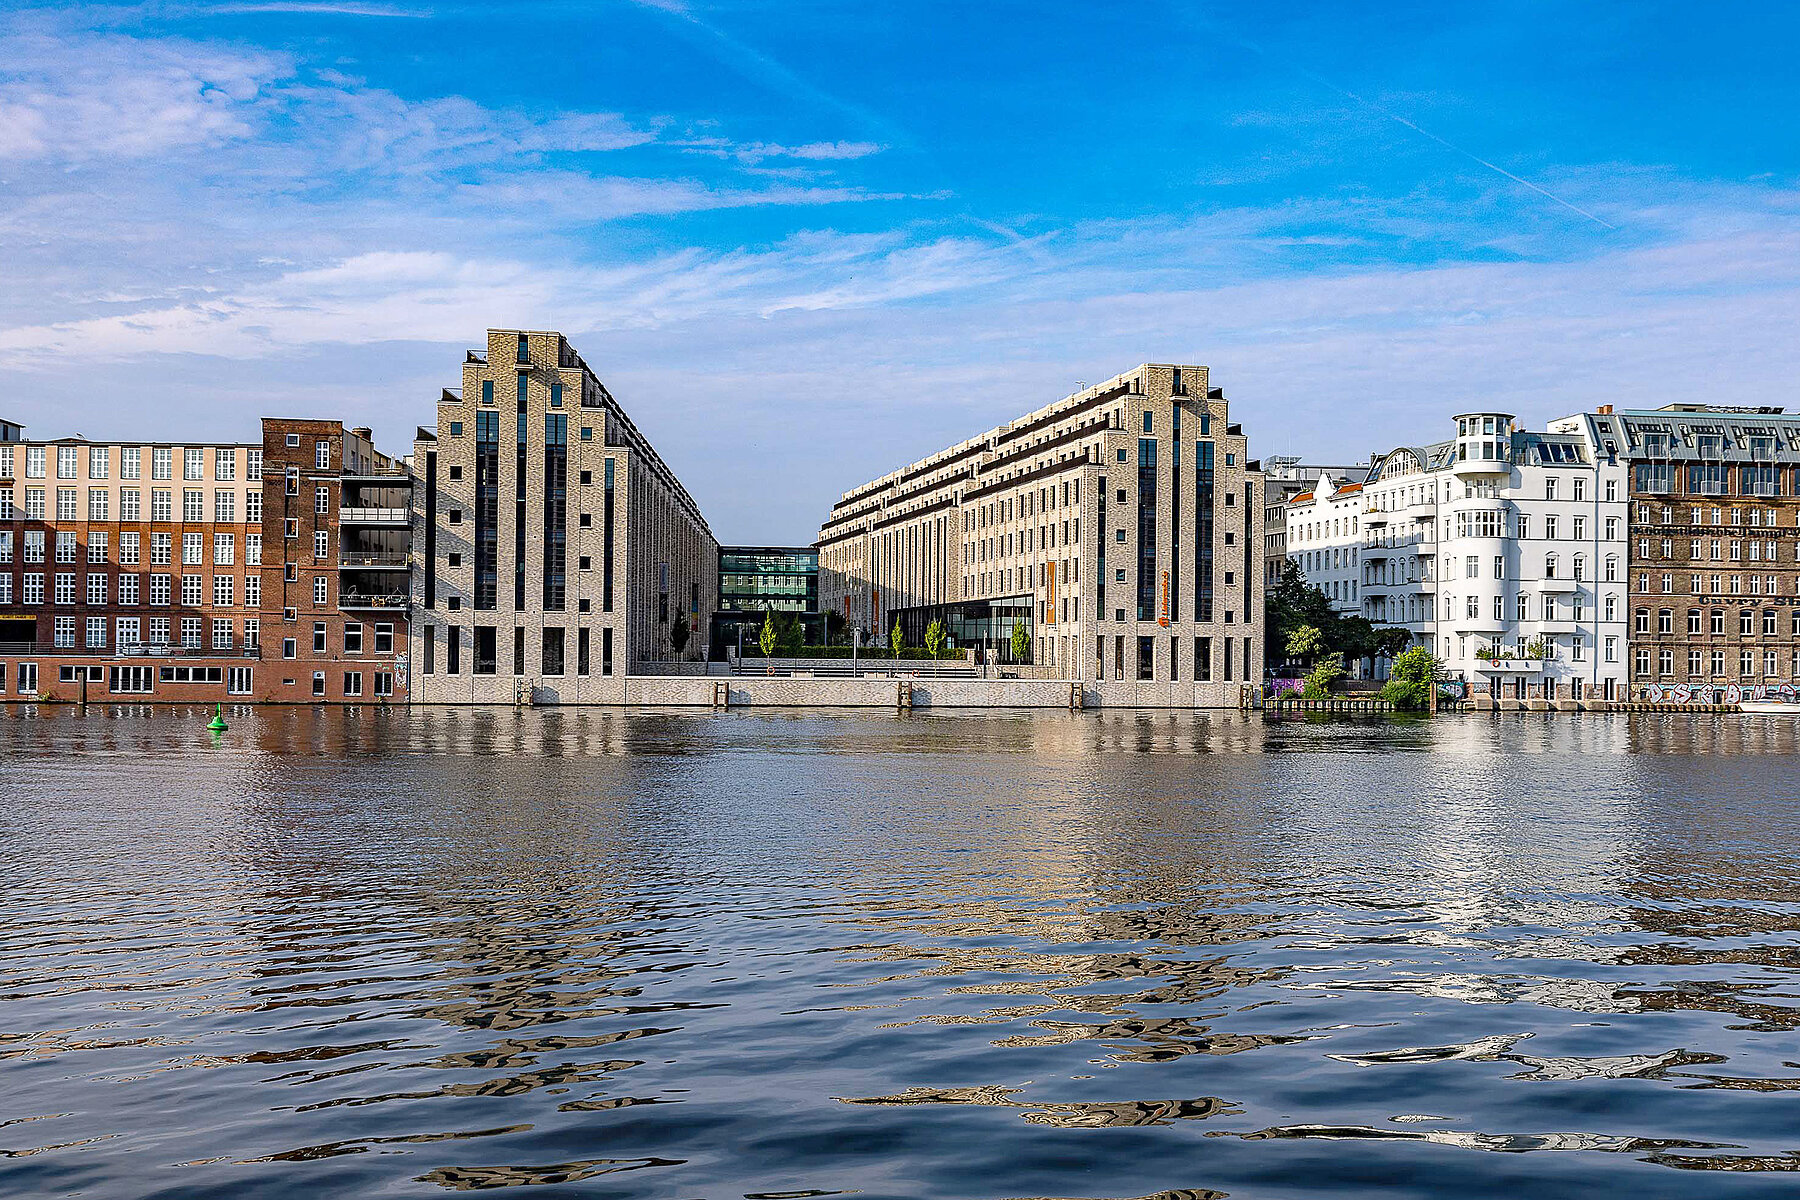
<point>765,641</point>
<point>1021,642</point>
<point>1306,643</point>
<point>1294,605</point>
<point>1323,680</point>
<point>1415,673</point>
<point>678,633</point>
<point>896,639</point>
<point>934,638</point>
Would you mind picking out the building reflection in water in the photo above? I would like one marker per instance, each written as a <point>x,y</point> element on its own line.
<point>480,948</point>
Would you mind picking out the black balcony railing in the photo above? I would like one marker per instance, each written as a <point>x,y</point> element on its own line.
<point>394,600</point>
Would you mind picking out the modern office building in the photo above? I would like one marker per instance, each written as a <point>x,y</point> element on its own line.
<point>756,580</point>
<point>557,548</point>
<point>194,572</point>
<point>1502,550</point>
<point>1714,553</point>
<point>1122,525</point>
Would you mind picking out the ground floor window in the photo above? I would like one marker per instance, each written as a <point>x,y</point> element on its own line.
<point>1146,658</point>
<point>352,683</point>
<point>237,681</point>
<point>318,683</point>
<point>384,683</point>
<point>27,679</point>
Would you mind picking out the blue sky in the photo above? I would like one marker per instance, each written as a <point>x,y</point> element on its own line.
<point>807,242</point>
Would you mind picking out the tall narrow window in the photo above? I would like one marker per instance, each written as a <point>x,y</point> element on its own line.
<point>556,534</point>
<point>430,537</point>
<point>487,516</point>
<point>1146,530</point>
<point>1203,532</point>
<point>519,508</point>
<point>606,572</point>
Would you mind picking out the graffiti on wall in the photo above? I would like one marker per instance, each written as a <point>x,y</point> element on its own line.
<point>1727,693</point>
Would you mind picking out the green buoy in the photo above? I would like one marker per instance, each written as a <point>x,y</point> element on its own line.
<point>217,724</point>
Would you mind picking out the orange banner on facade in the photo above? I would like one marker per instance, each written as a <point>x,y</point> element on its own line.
<point>1163,620</point>
<point>1050,578</point>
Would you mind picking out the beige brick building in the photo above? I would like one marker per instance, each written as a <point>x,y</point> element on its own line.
<point>555,547</point>
<point>1122,524</point>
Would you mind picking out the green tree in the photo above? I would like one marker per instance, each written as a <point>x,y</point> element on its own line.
<point>896,639</point>
<point>1021,642</point>
<point>1323,680</point>
<point>1414,674</point>
<point>678,633</point>
<point>1291,603</point>
<point>765,641</point>
<point>1305,642</point>
<point>934,638</point>
<point>835,626</point>
<point>790,633</point>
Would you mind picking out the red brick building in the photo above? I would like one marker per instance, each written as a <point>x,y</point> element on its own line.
<point>163,571</point>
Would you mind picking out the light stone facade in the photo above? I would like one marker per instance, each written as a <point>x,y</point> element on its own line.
<point>1123,522</point>
<point>1501,550</point>
<point>493,625</point>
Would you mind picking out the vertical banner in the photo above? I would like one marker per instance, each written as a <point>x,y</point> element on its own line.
<point>1050,578</point>
<point>1163,620</point>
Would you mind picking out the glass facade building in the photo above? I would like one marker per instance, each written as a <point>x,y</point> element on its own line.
<point>755,578</point>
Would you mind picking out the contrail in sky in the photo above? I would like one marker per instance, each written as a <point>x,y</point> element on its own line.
<point>1416,128</point>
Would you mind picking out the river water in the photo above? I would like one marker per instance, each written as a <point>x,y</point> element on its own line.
<point>772,954</point>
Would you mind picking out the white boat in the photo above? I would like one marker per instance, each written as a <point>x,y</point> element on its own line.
<point>1779,708</point>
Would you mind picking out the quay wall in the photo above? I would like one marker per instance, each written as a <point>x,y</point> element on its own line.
<point>742,690</point>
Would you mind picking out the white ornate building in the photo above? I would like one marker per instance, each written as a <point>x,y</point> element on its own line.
<point>1502,550</point>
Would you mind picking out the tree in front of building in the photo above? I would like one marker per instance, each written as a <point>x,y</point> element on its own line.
<point>896,639</point>
<point>765,641</point>
<point>790,634</point>
<point>836,629</point>
<point>1021,643</point>
<point>1305,643</point>
<point>934,638</point>
<point>1323,680</point>
<point>678,633</point>
<point>1414,674</point>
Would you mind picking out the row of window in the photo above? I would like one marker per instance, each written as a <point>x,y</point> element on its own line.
<point>1714,585</point>
<point>1702,664</point>
<point>132,633</point>
<point>1666,514</point>
<point>382,641</point>
<point>483,642</point>
<point>1714,621</point>
<point>135,679</point>
<point>131,505</point>
<point>162,548</point>
<point>99,459</point>
<point>1715,550</point>
<point>1708,479</point>
<point>156,590</point>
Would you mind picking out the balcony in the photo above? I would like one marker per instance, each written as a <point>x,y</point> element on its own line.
<point>374,516</point>
<point>358,601</point>
<point>1561,585</point>
<point>1479,624</point>
<point>379,562</point>
<point>385,479</point>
